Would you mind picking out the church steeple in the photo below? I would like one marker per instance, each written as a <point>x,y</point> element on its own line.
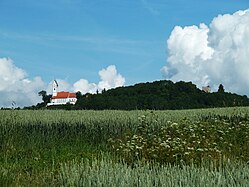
<point>61,98</point>
<point>55,86</point>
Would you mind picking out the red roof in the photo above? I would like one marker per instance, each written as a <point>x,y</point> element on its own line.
<point>64,95</point>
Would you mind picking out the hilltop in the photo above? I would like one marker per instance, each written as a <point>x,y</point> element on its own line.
<point>159,95</point>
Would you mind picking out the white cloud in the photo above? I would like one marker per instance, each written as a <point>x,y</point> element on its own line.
<point>214,54</point>
<point>84,86</point>
<point>64,86</point>
<point>15,86</point>
<point>109,78</point>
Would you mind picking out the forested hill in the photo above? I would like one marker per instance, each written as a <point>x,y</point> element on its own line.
<point>159,95</point>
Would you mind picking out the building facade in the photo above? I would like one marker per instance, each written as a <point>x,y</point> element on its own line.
<point>61,98</point>
<point>206,89</point>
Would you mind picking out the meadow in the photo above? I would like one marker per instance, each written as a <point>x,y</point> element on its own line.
<point>204,147</point>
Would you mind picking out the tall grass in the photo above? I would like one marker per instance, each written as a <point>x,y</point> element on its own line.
<point>45,148</point>
<point>105,172</point>
<point>187,141</point>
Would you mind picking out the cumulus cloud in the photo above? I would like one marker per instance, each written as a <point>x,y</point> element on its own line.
<point>84,86</point>
<point>109,78</point>
<point>213,54</point>
<point>15,87</point>
<point>64,86</point>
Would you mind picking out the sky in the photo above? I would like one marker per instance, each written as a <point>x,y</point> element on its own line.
<point>97,44</point>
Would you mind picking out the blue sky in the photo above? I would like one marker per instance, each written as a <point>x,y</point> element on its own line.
<point>73,39</point>
<point>96,44</point>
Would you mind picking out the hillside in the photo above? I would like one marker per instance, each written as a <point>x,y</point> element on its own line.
<point>159,95</point>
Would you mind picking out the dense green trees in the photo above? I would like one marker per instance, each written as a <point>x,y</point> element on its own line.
<point>221,88</point>
<point>45,98</point>
<point>160,95</point>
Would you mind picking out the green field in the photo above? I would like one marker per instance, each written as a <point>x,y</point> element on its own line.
<point>208,147</point>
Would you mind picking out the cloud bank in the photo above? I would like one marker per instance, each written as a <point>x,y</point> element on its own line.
<point>15,87</point>
<point>211,55</point>
<point>17,90</point>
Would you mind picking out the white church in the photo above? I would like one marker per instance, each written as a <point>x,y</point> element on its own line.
<point>61,98</point>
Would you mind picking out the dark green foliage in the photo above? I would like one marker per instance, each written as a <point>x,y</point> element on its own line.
<point>221,89</point>
<point>160,95</point>
<point>45,98</point>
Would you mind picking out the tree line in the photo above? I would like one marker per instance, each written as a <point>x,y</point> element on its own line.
<point>158,95</point>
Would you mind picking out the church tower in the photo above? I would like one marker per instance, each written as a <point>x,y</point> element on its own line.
<point>55,86</point>
<point>61,98</point>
